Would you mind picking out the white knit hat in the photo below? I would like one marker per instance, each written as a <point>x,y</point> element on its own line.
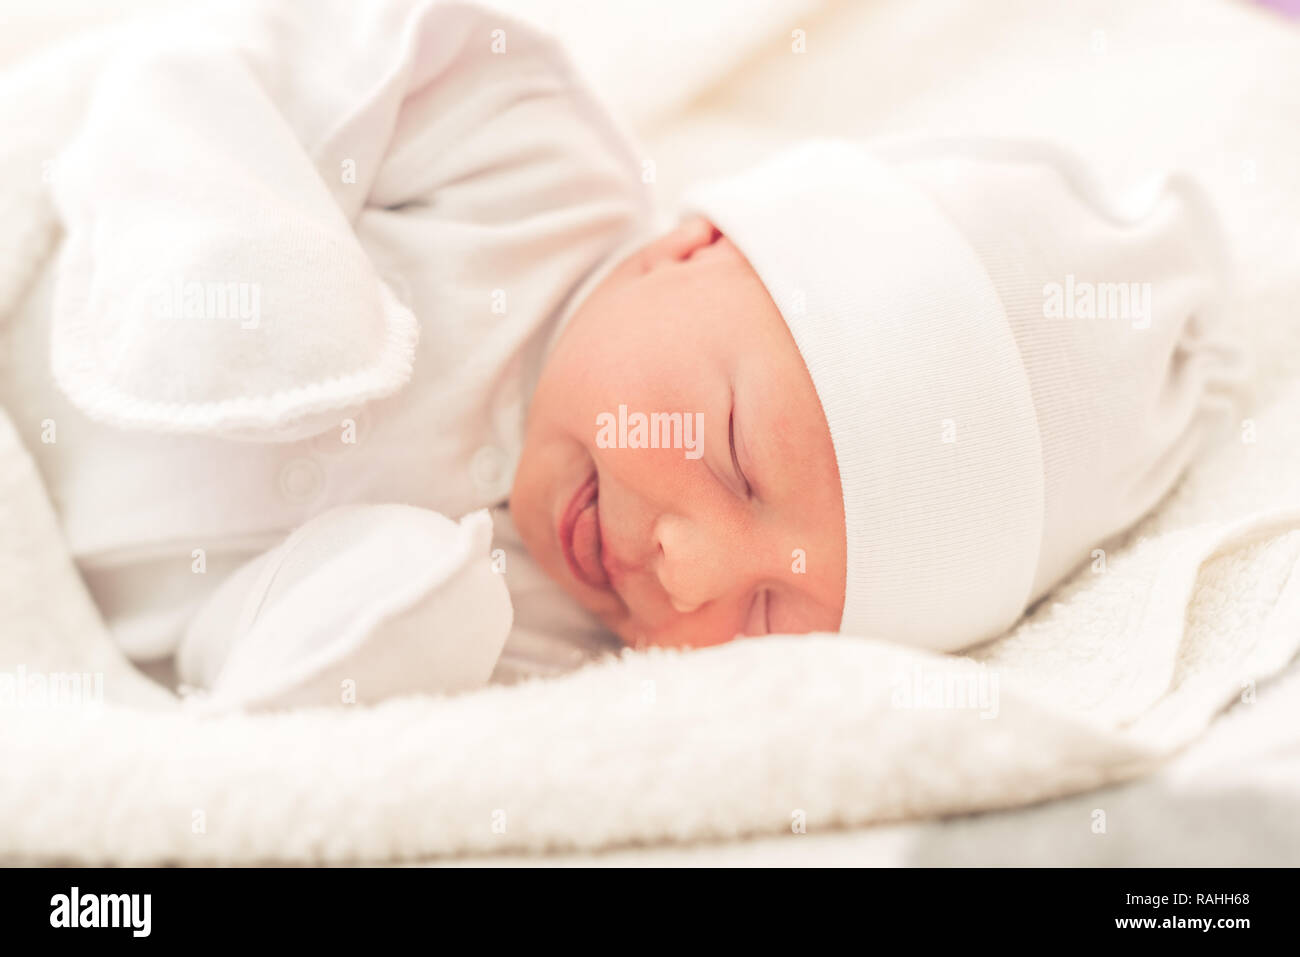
<point>1012,366</point>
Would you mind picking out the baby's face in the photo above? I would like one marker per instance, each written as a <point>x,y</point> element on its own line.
<point>678,477</point>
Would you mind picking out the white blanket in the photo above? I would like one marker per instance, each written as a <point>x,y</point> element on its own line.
<point>1120,668</point>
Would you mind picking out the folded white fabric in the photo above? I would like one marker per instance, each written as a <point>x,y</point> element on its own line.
<point>219,287</point>
<point>1015,361</point>
<point>360,604</point>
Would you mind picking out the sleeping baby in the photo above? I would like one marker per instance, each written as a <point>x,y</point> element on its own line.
<point>375,369</point>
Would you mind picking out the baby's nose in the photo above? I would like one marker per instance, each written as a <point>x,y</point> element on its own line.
<point>695,562</point>
<point>683,607</point>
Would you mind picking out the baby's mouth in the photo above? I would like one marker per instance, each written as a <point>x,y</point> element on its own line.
<point>580,537</point>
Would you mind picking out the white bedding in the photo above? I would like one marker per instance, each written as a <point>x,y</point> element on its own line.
<point>1101,684</point>
<point>1229,800</point>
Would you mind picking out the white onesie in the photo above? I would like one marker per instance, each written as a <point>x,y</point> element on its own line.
<point>314,257</point>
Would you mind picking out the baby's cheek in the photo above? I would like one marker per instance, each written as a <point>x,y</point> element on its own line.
<point>699,629</point>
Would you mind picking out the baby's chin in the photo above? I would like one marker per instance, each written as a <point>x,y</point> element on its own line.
<point>620,625</point>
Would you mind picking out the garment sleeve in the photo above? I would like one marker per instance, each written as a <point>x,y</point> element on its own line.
<point>211,279</point>
<point>360,604</point>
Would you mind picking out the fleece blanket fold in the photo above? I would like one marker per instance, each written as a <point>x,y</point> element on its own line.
<point>1103,680</point>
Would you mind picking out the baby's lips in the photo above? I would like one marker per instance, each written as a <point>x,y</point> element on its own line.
<point>587,546</point>
<point>582,510</point>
